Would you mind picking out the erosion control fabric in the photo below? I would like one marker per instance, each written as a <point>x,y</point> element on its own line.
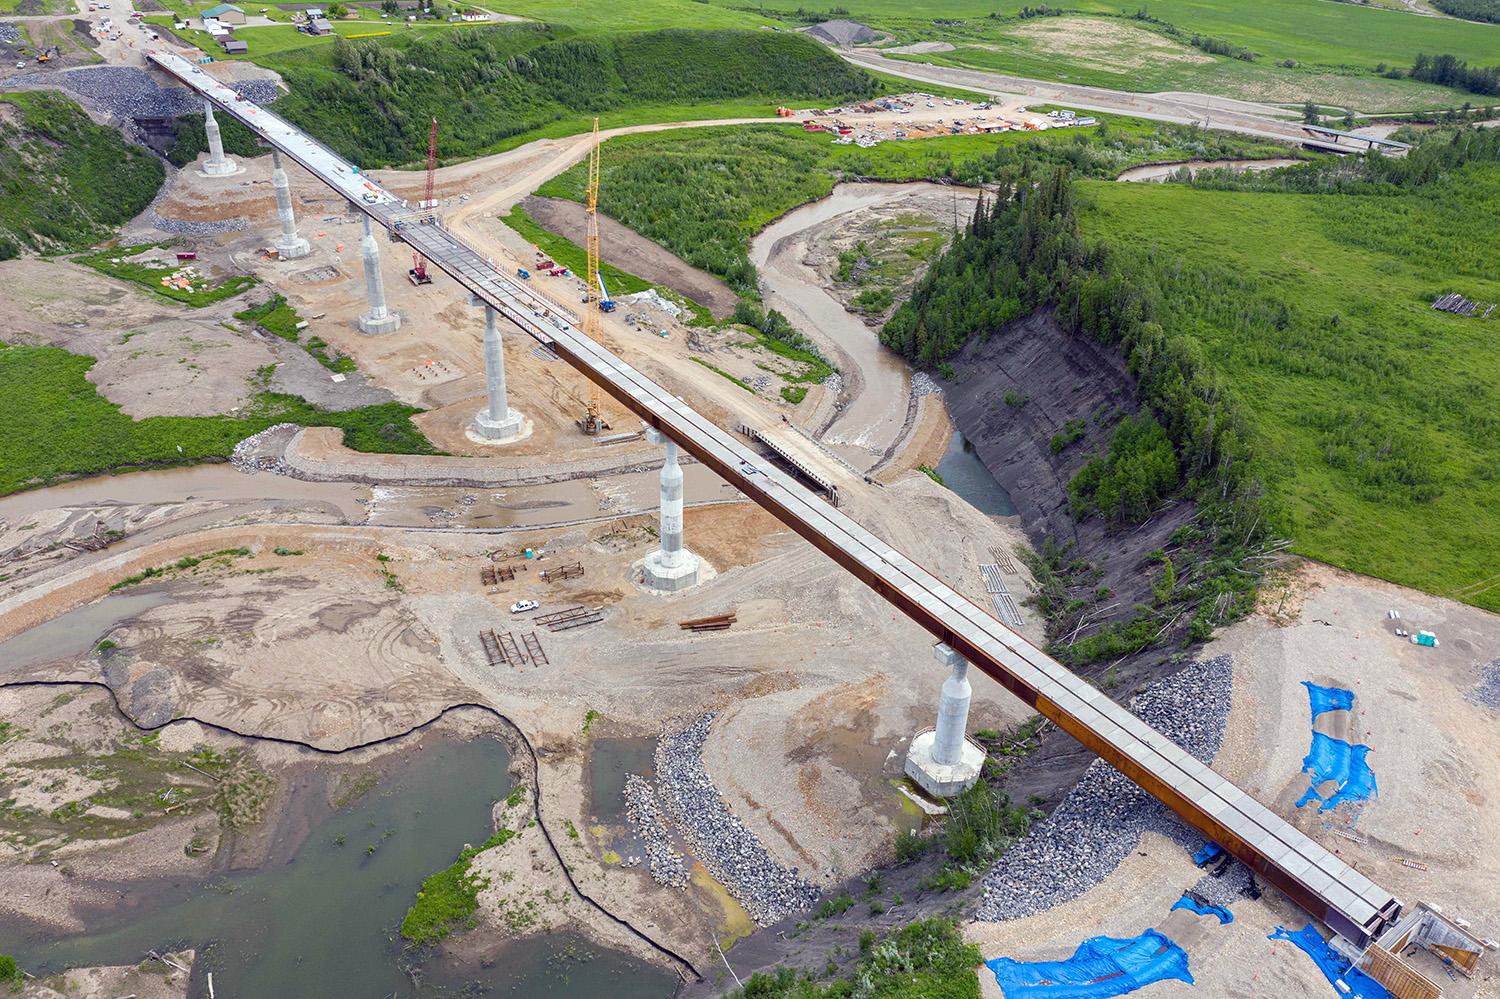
<point>1334,967</point>
<point>1328,698</point>
<point>1344,764</point>
<point>1101,967</point>
<point>1205,909</point>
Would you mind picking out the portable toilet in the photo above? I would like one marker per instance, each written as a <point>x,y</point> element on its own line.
<point>529,553</point>
<point>1426,638</point>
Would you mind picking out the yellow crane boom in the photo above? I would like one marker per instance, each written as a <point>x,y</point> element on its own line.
<point>593,421</point>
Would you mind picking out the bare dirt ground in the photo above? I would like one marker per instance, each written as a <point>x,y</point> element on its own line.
<point>635,254</point>
<point>1107,45</point>
<point>147,980</point>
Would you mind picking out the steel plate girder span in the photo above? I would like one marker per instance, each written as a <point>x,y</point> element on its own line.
<point>1282,856</point>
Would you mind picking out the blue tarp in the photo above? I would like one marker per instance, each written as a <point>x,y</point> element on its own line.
<point>1102,967</point>
<point>1332,964</point>
<point>1328,698</point>
<point>1208,854</point>
<point>1336,760</point>
<point>1205,909</point>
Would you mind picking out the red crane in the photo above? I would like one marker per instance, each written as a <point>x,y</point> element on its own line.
<point>418,273</point>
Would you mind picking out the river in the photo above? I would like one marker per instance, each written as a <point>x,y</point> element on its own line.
<point>325,922</point>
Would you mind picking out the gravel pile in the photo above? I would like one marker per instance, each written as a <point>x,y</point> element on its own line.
<point>263,452</point>
<point>187,227</point>
<point>1101,820</point>
<point>731,852</point>
<point>644,811</point>
<point>130,92</point>
<point>9,34</point>
<point>1232,886</point>
<point>1486,693</point>
<point>922,384</point>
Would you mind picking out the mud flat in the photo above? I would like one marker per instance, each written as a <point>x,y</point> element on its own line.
<point>1162,171</point>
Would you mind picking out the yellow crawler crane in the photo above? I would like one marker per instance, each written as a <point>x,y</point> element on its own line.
<point>593,421</point>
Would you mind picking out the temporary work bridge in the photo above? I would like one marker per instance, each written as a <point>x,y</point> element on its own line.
<point>1312,877</point>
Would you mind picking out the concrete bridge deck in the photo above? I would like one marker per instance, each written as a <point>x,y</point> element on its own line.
<point>1319,882</point>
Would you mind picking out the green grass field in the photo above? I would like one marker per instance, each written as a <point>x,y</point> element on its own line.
<point>704,192</point>
<point>149,276</point>
<point>1377,419</point>
<point>1338,46</point>
<point>58,426</point>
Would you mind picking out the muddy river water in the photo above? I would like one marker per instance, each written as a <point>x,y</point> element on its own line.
<point>1161,171</point>
<point>325,922</point>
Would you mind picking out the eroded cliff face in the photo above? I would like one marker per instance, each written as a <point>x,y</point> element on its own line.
<point>1013,392</point>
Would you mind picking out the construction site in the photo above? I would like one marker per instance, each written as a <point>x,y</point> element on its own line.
<point>692,674</point>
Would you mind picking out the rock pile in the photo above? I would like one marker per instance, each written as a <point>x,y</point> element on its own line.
<point>9,34</point>
<point>922,384</point>
<point>644,811</point>
<point>131,92</point>
<point>1227,889</point>
<point>263,452</point>
<point>731,852</point>
<point>1486,692</point>
<point>1101,820</point>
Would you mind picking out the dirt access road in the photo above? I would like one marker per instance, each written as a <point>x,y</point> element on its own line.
<point>1226,114</point>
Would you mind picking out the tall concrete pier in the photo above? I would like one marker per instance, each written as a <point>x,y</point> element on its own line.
<point>672,567</point>
<point>377,319</point>
<point>497,422</point>
<point>217,164</point>
<point>289,245</point>
<point>942,761</point>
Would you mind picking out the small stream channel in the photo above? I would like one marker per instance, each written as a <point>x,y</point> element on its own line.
<point>963,472</point>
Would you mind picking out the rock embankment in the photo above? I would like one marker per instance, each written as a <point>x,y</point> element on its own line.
<point>731,852</point>
<point>1101,820</point>
<point>643,808</point>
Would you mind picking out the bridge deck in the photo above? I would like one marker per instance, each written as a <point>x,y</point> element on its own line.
<point>1315,879</point>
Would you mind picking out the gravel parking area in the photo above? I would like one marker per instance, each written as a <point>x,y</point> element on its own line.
<point>1101,820</point>
<point>731,852</point>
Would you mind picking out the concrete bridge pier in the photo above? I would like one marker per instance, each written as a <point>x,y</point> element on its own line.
<point>217,164</point>
<point>378,319</point>
<point>289,245</point>
<point>497,423</point>
<point>672,567</point>
<point>942,761</point>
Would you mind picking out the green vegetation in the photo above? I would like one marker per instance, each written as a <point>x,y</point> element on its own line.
<point>10,972</point>
<point>277,317</point>
<point>927,959</point>
<point>191,141</point>
<point>1281,330</point>
<point>720,371</point>
<point>59,426</point>
<point>794,393</point>
<point>222,557</point>
<point>1335,54</point>
<point>1451,71</point>
<point>448,898</point>
<point>703,193</point>
<point>1471,10</point>
<point>116,263</point>
<point>64,181</point>
<point>494,84</point>
<point>570,255</point>
<point>931,473</point>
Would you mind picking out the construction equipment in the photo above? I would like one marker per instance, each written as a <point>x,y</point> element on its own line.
<point>593,420</point>
<point>418,273</point>
<point>606,304</point>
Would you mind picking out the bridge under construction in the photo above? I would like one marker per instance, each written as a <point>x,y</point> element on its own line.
<point>1316,880</point>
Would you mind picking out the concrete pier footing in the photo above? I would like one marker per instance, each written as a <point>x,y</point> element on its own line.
<point>289,245</point>
<point>672,567</point>
<point>497,423</point>
<point>942,761</point>
<point>377,318</point>
<point>217,164</point>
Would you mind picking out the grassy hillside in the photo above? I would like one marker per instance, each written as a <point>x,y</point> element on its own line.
<point>57,424</point>
<point>1351,417</point>
<point>1376,416</point>
<point>64,181</point>
<point>1334,53</point>
<point>703,193</point>
<point>372,99</point>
